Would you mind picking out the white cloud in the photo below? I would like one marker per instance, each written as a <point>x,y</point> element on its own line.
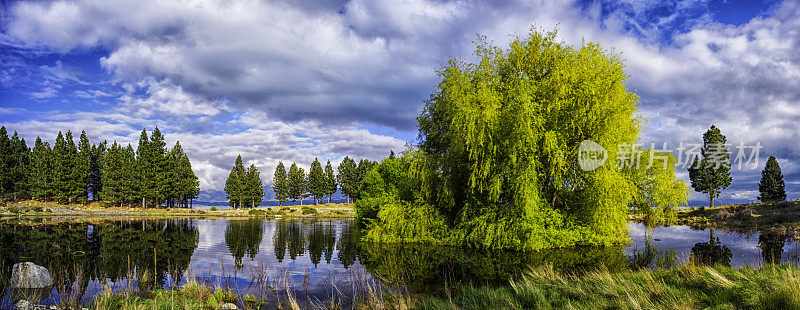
<point>193,64</point>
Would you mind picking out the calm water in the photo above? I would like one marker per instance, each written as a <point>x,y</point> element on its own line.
<point>320,259</point>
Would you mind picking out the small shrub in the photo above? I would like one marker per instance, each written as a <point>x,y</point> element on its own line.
<point>286,209</point>
<point>38,209</point>
<point>13,209</point>
<point>309,210</point>
<point>255,212</point>
<point>213,209</point>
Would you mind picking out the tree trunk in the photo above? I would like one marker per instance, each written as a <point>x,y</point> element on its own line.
<point>143,205</point>
<point>712,200</point>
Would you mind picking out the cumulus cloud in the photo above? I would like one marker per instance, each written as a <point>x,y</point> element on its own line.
<point>264,71</point>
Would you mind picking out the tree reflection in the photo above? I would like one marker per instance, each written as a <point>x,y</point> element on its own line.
<point>243,239</point>
<point>651,256</point>
<point>321,241</point>
<point>347,244</point>
<point>712,252</point>
<point>771,244</point>
<point>77,253</point>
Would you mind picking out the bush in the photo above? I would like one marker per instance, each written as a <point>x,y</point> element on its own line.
<point>13,209</point>
<point>38,209</point>
<point>255,212</point>
<point>309,210</point>
<point>213,209</point>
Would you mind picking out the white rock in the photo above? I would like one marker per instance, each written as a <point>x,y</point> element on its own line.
<point>228,306</point>
<point>30,275</point>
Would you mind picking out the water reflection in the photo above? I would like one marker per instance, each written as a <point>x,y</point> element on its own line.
<point>318,257</point>
<point>712,252</point>
<point>243,237</point>
<point>651,256</point>
<point>78,254</point>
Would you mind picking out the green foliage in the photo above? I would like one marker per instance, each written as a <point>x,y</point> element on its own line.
<point>298,183</point>
<point>497,163</point>
<point>711,174</point>
<point>309,210</point>
<point>658,193</point>
<point>280,184</point>
<point>317,184</point>
<point>257,212</point>
<point>330,181</point>
<point>213,209</point>
<point>347,178</point>
<point>771,187</point>
<point>254,189</point>
<point>244,187</point>
<point>41,171</point>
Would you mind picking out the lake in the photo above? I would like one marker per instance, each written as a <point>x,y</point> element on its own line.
<point>323,260</point>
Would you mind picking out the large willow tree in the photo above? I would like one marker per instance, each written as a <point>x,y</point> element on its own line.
<point>499,147</point>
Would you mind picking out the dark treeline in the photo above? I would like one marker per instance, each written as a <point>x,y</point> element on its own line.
<point>319,182</point>
<point>150,175</point>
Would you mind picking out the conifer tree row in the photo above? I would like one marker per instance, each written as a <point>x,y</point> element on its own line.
<point>320,182</point>
<point>68,173</point>
<point>244,187</point>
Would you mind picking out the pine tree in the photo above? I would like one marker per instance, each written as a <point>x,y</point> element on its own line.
<point>280,184</point>
<point>5,164</point>
<point>145,172</point>
<point>771,186</point>
<point>83,167</point>
<point>347,178</point>
<point>96,170</point>
<point>76,189</point>
<point>62,168</point>
<point>114,176</point>
<point>40,174</point>
<point>20,157</point>
<point>711,174</point>
<point>175,185</point>
<point>317,186</point>
<point>131,181</point>
<point>297,184</point>
<point>330,181</point>
<point>161,165</point>
<point>191,185</point>
<point>255,188</point>
<point>235,186</point>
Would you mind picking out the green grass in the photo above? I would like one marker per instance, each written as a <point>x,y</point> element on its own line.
<point>309,210</point>
<point>190,296</point>
<point>685,287</point>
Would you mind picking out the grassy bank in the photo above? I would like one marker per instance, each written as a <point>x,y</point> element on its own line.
<point>781,217</point>
<point>37,209</point>
<point>685,287</point>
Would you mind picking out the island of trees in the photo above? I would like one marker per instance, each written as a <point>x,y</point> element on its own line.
<point>148,176</point>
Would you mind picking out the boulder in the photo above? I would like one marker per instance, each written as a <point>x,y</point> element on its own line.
<point>228,306</point>
<point>29,275</point>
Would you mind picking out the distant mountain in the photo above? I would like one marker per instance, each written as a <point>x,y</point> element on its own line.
<point>269,195</point>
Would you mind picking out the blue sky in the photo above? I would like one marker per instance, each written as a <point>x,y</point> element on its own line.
<point>294,80</point>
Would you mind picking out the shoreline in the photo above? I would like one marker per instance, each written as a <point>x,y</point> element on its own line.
<point>30,209</point>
